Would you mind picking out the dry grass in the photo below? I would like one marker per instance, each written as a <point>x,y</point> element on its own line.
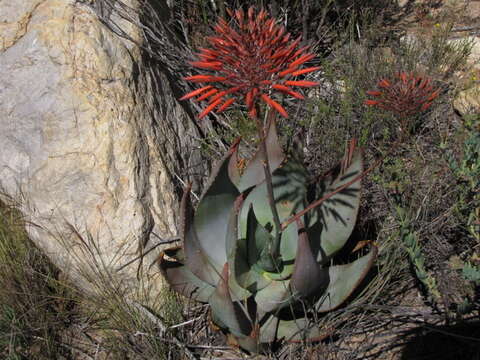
<point>36,305</point>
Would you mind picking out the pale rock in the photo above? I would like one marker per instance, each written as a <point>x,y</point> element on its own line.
<point>77,142</point>
<point>468,100</point>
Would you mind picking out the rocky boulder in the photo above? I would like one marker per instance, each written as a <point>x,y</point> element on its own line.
<point>87,143</point>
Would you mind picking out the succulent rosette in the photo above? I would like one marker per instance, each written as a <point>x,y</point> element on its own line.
<point>225,243</point>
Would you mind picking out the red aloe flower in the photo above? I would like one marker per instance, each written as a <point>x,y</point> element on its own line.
<point>249,59</point>
<point>406,95</point>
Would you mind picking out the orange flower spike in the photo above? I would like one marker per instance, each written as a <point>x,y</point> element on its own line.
<point>195,92</point>
<point>274,70</point>
<point>270,25</point>
<point>209,52</point>
<point>286,72</point>
<point>279,54</point>
<point>206,58</point>
<point>288,91</point>
<point>299,51</point>
<point>302,83</point>
<point>204,78</point>
<point>218,96</point>
<point>253,113</point>
<point>305,71</point>
<point>261,15</point>
<point>434,95</point>
<point>226,104</point>
<point>275,105</point>
<point>250,13</point>
<point>246,57</point>
<point>280,31</point>
<point>426,106</point>
<point>207,94</point>
<point>249,99</point>
<point>424,83</point>
<point>301,60</point>
<point>209,108</point>
<point>214,65</point>
<point>281,87</point>
<point>239,15</point>
<point>407,95</point>
<point>384,83</point>
<point>295,94</point>
<point>219,29</point>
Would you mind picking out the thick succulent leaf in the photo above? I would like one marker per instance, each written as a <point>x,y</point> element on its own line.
<point>275,296</point>
<point>232,227</point>
<point>343,281</point>
<point>233,163</point>
<point>332,223</point>
<point>308,277</point>
<point>268,329</point>
<point>254,173</point>
<point>300,329</point>
<point>225,312</point>
<point>245,275</point>
<point>258,238</point>
<point>289,188</point>
<point>213,213</point>
<point>183,281</point>
<point>247,253</point>
<point>195,259</point>
<point>252,343</point>
<point>238,292</point>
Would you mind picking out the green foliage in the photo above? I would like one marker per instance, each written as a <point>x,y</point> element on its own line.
<point>468,169</point>
<point>470,276</point>
<point>471,273</point>
<point>467,172</point>
<point>227,256</point>
<point>417,259</point>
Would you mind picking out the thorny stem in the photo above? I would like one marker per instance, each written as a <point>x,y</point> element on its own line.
<point>273,248</point>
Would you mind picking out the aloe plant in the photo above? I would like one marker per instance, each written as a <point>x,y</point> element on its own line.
<point>259,247</point>
<point>226,260</point>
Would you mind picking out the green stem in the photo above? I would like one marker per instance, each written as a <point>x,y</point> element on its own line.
<point>273,247</point>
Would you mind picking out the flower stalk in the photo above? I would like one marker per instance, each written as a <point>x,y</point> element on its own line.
<point>270,259</point>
